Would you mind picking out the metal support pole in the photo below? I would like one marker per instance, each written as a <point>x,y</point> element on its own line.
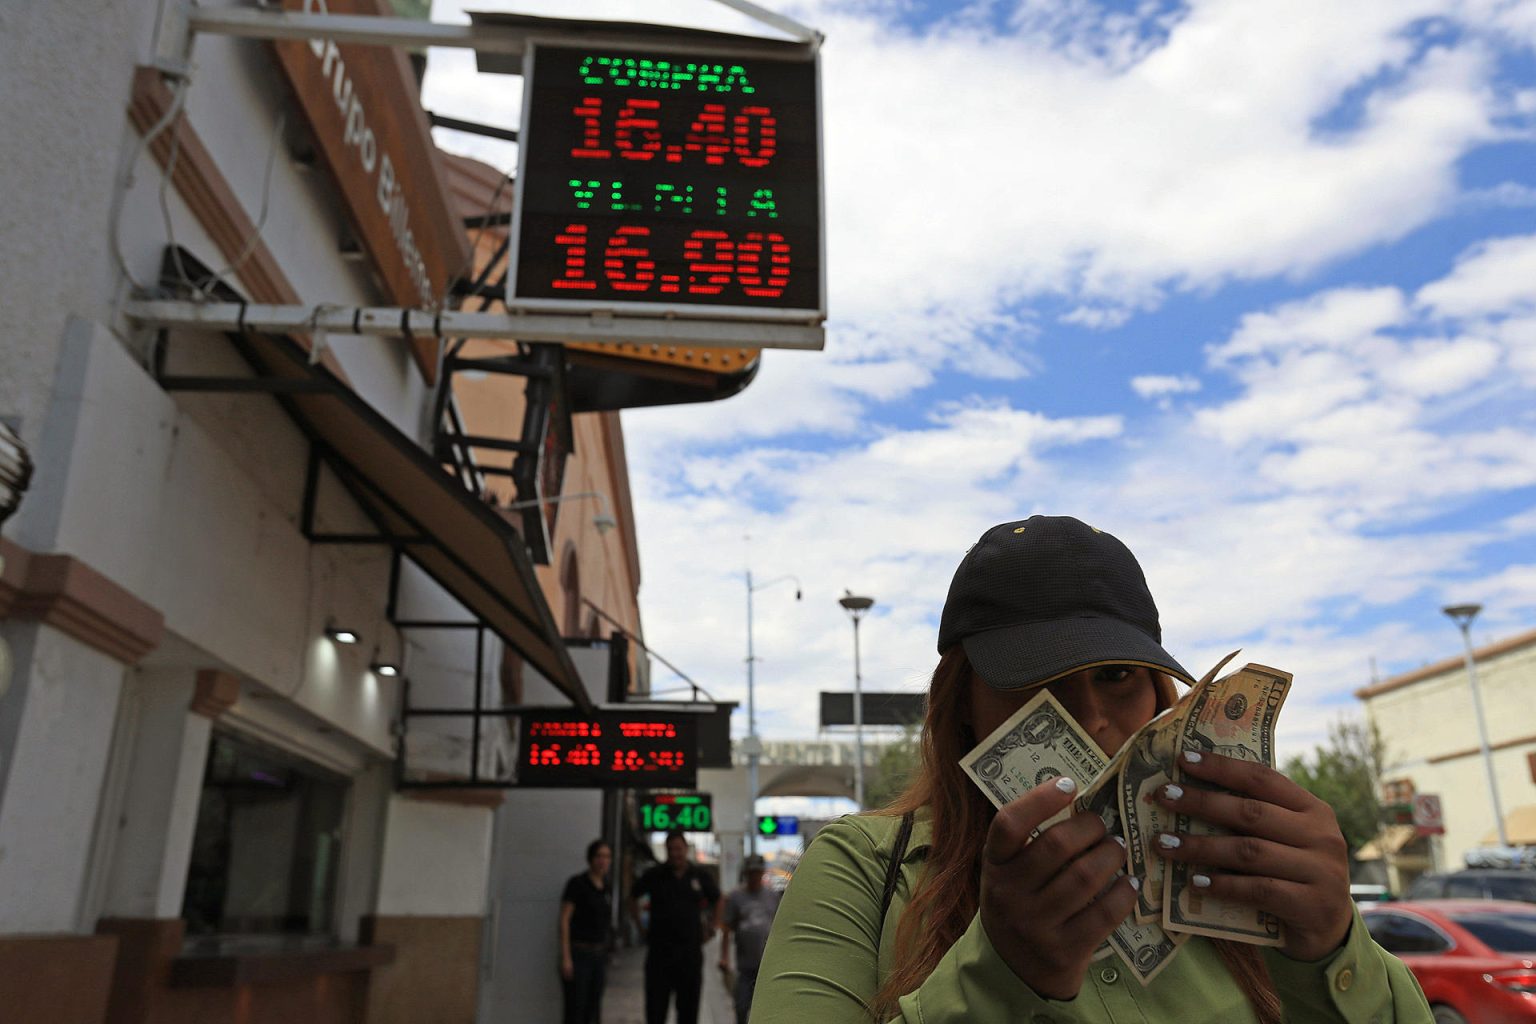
<point>715,327</point>
<point>754,745</point>
<point>857,607</point>
<point>1465,624</point>
<point>858,720</point>
<point>753,751</point>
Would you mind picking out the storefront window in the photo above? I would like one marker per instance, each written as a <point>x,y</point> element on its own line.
<point>267,844</point>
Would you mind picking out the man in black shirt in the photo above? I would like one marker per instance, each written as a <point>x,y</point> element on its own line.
<point>584,937</point>
<point>683,899</point>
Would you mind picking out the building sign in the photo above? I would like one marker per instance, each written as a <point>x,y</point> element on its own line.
<point>675,812</point>
<point>1428,817</point>
<point>877,708</point>
<point>777,825</point>
<point>369,127</point>
<point>609,749</point>
<point>668,179</point>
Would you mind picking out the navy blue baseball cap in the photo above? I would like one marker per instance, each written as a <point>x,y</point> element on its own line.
<point>1043,597</point>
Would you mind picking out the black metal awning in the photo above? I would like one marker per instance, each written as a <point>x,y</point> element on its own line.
<point>416,505</point>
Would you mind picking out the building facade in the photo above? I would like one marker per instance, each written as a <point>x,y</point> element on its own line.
<point>1429,732</point>
<point>268,596</point>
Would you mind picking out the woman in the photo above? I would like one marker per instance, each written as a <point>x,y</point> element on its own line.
<point>983,924</point>
<point>584,916</point>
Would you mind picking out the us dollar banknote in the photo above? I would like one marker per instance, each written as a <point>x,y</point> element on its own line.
<point>1143,945</point>
<point>1037,743</point>
<point>1145,768</point>
<point>1235,717</point>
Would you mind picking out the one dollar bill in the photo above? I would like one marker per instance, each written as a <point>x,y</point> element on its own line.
<point>1037,743</point>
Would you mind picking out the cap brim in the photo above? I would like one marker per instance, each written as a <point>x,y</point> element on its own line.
<point>1035,653</point>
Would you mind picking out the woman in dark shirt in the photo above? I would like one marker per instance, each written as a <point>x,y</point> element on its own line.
<point>584,912</point>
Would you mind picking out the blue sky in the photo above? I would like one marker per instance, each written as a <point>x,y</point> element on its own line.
<point>1261,302</point>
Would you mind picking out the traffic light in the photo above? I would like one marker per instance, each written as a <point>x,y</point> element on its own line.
<point>778,825</point>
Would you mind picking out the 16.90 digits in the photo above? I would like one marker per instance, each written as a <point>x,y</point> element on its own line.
<point>758,262</point>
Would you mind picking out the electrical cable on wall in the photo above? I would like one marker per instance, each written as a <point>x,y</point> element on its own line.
<point>254,239</point>
<point>125,180</point>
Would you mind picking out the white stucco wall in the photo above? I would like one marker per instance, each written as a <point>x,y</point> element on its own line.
<point>436,857</point>
<point>67,693</point>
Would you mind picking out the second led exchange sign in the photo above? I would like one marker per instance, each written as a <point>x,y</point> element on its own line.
<point>671,179</point>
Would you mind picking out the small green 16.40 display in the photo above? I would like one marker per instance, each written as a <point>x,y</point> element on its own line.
<point>675,812</point>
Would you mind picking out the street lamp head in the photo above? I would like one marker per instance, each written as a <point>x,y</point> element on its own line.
<point>856,605</point>
<point>1462,614</point>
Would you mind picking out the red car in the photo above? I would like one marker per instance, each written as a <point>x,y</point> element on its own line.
<point>1475,959</point>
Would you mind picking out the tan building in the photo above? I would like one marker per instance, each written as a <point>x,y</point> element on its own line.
<point>1429,730</point>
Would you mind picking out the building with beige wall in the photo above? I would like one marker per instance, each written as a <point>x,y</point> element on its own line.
<point>1429,730</point>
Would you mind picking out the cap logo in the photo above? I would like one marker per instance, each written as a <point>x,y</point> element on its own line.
<point>1019,530</point>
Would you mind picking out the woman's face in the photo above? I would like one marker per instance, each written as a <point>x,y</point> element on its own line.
<point>1111,702</point>
<point>602,860</point>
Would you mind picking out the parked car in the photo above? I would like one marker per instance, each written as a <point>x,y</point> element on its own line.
<point>1365,892</point>
<point>1475,884</point>
<point>1475,959</point>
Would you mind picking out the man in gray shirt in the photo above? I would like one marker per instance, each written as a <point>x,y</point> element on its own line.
<point>747,915</point>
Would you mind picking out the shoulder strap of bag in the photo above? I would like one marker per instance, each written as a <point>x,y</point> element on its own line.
<point>893,868</point>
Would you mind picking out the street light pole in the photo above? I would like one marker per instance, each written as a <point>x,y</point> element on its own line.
<point>856,607</point>
<point>1462,615</point>
<point>753,744</point>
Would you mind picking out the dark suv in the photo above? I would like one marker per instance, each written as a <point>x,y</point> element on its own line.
<point>1476,884</point>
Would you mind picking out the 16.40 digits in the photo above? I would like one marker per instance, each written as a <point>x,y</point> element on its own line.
<point>749,136</point>
<point>758,262</point>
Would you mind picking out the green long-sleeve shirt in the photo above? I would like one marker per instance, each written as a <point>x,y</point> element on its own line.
<point>829,952</point>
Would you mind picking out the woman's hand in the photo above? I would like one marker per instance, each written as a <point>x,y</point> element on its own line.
<point>567,967</point>
<point>1043,901</point>
<point>1285,856</point>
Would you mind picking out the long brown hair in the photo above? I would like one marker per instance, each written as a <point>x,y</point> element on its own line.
<point>948,893</point>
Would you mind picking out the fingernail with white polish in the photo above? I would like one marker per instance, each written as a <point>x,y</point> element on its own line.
<point>1173,792</point>
<point>1192,756</point>
<point>1135,883</point>
<point>1066,785</point>
<point>1201,881</point>
<point>1119,840</point>
<point>1169,842</point>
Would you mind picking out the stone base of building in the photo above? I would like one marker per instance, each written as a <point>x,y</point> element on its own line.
<point>435,975</point>
<point>58,979</point>
<point>153,983</point>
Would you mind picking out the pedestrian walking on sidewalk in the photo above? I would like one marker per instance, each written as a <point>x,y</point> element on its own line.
<point>747,915</point>
<point>584,934</point>
<point>683,901</point>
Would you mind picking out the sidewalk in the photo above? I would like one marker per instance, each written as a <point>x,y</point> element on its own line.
<point>624,998</point>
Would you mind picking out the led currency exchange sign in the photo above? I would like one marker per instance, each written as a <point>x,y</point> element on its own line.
<point>630,749</point>
<point>669,179</point>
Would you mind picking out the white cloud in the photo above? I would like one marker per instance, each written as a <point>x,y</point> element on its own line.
<point>1161,386</point>
<point>1493,278</point>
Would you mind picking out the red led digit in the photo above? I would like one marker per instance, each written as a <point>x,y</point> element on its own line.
<point>621,248</point>
<point>749,264</point>
<point>629,123</point>
<point>708,135</point>
<point>590,111</point>
<point>767,136</point>
<point>574,238</point>
<point>708,276</point>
